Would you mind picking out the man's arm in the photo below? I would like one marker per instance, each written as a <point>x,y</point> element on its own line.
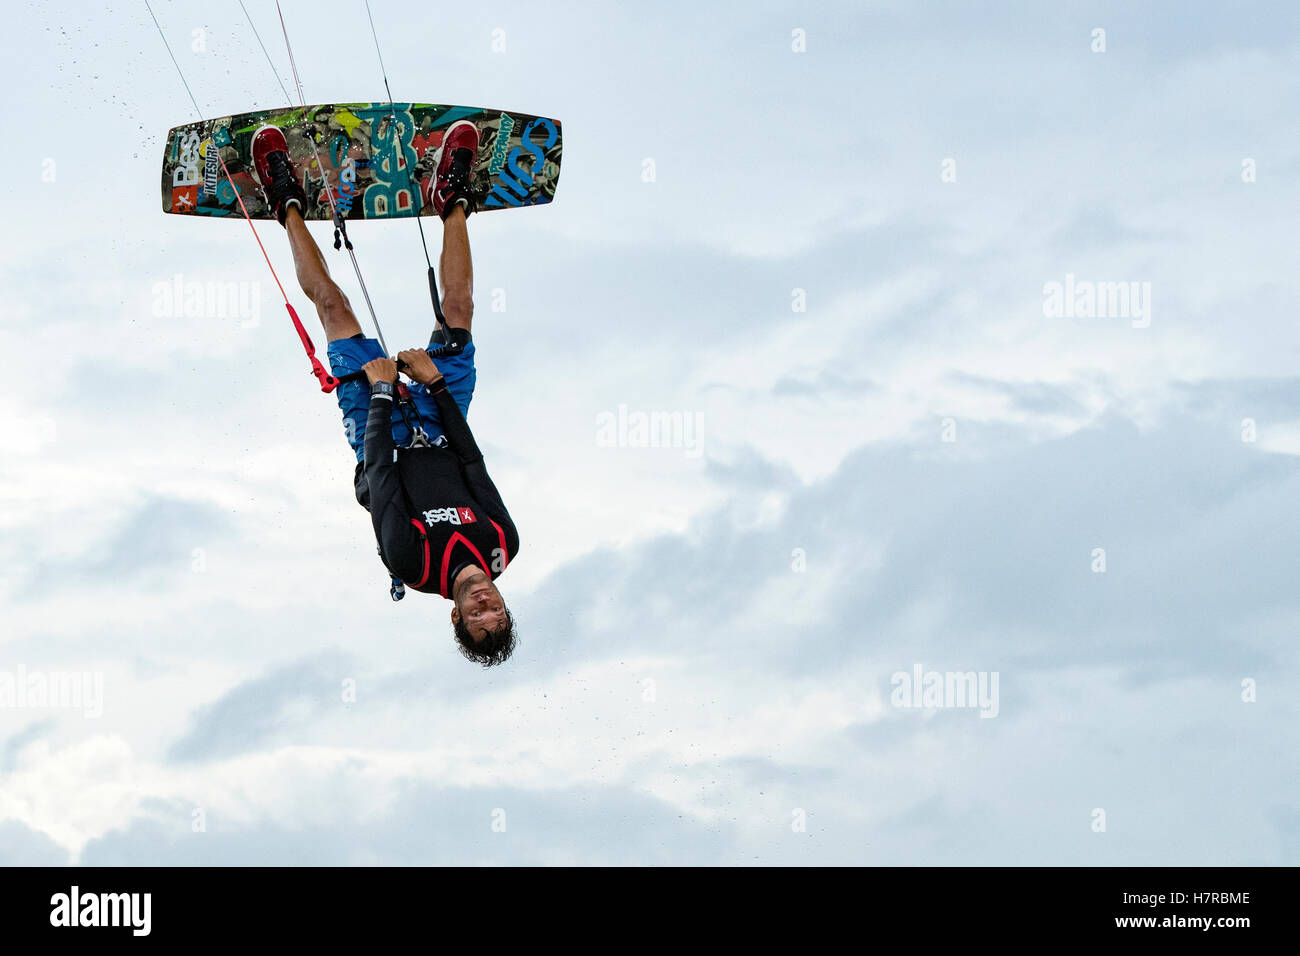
<point>398,539</point>
<point>419,365</point>
<point>461,441</point>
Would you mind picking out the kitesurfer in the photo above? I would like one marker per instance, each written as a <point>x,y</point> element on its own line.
<point>439,521</point>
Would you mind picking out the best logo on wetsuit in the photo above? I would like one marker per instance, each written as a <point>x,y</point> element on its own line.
<point>450,515</point>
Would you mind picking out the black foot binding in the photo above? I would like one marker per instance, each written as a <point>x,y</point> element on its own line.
<point>449,186</point>
<point>285,190</point>
<point>276,174</point>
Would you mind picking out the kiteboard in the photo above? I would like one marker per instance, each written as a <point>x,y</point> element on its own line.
<point>375,155</point>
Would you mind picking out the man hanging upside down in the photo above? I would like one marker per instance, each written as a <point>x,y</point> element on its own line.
<point>440,523</point>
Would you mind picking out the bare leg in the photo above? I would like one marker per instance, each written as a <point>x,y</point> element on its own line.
<point>314,276</point>
<point>457,272</point>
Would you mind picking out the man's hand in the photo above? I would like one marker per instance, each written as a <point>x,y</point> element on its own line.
<point>380,370</point>
<point>419,366</point>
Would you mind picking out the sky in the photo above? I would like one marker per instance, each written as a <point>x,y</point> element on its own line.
<point>976,544</point>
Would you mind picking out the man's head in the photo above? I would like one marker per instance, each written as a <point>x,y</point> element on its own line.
<point>484,628</point>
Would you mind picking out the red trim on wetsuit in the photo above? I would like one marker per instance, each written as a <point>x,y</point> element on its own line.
<point>446,560</point>
<point>425,576</point>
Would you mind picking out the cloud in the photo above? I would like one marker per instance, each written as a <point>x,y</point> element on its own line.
<point>157,535</point>
<point>827,382</point>
<point>257,713</point>
<point>1033,400</point>
<point>953,559</point>
<point>22,846</point>
<point>432,825</point>
<point>1096,228</point>
<point>14,744</point>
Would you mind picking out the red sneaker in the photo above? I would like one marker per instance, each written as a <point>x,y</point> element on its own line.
<point>276,174</point>
<point>449,185</point>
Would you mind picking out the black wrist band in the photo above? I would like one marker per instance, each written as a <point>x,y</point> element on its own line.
<point>382,388</point>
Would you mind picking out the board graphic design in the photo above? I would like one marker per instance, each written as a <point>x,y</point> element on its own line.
<point>375,157</point>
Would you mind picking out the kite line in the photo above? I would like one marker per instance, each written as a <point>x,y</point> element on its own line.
<point>392,119</point>
<point>327,381</point>
<point>340,225</point>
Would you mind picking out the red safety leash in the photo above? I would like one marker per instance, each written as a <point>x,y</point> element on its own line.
<point>327,381</point>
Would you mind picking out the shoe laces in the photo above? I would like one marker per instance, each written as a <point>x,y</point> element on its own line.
<point>281,169</point>
<point>458,174</point>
